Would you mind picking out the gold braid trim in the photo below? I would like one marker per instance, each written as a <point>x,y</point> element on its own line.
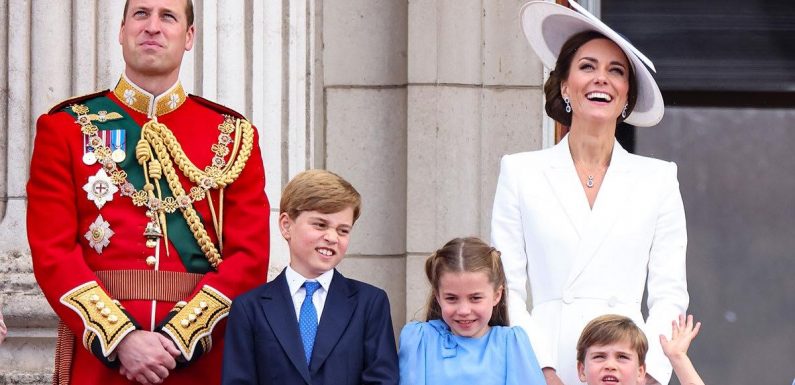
<point>166,146</point>
<point>189,213</point>
<point>101,316</point>
<point>198,176</point>
<point>194,322</point>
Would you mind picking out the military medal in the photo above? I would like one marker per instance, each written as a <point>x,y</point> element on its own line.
<point>152,232</point>
<point>89,158</point>
<point>102,116</point>
<point>88,152</point>
<point>100,188</point>
<point>118,144</point>
<point>98,234</point>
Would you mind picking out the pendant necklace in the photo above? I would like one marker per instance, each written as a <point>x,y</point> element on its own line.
<point>589,182</point>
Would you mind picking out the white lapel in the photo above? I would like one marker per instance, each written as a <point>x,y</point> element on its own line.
<point>562,176</point>
<point>609,206</point>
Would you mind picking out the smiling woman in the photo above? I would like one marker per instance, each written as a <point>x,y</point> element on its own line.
<point>588,224</point>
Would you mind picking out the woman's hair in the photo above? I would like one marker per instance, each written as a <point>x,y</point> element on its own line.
<point>467,255</point>
<point>555,107</point>
<point>610,329</point>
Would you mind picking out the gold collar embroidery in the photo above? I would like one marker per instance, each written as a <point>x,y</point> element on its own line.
<point>144,102</point>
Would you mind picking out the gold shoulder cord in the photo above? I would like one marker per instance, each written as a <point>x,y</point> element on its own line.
<point>156,136</point>
<point>218,175</point>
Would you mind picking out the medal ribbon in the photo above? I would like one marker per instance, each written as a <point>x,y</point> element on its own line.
<point>178,232</point>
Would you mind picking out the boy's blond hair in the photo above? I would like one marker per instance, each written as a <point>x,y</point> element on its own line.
<point>610,329</point>
<point>319,190</point>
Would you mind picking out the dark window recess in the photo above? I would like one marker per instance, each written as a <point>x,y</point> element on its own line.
<point>730,49</point>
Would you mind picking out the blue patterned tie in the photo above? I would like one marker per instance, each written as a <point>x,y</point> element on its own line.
<point>307,321</point>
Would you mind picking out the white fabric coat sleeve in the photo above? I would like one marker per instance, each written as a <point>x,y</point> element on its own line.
<point>507,235</point>
<point>667,279</point>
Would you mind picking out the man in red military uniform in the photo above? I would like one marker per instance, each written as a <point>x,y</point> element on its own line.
<point>146,215</point>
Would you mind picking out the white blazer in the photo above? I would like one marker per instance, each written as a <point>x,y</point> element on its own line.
<point>583,262</point>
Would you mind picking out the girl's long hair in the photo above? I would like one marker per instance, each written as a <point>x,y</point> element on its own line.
<point>467,255</point>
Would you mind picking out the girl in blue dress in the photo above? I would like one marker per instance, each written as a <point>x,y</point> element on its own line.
<point>465,339</point>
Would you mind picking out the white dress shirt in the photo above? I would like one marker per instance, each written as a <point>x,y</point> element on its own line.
<point>295,282</point>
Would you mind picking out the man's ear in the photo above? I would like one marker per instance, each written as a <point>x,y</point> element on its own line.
<point>189,38</point>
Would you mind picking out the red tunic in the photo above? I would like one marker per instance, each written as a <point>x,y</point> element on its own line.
<point>60,214</point>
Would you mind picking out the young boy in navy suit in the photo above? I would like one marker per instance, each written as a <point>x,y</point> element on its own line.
<point>311,325</point>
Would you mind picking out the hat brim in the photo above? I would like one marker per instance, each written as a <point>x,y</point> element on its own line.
<point>547,26</point>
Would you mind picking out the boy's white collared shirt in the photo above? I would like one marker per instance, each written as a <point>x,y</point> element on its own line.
<point>295,282</point>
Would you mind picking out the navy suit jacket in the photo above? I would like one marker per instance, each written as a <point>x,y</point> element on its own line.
<point>355,343</point>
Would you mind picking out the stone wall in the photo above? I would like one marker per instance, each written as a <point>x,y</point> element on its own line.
<point>414,102</point>
<point>249,55</point>
<point>474,94</point>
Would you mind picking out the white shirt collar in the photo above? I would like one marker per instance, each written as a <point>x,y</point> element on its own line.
<point>296,280</point>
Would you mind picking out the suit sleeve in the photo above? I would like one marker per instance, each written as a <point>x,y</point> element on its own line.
<point>412,355</point>
<point>70,286</point>
<point>381,361</point>
<point>507,235</point>
<point>239,359</point>
<point>667,281</point>
<point>245,260</point>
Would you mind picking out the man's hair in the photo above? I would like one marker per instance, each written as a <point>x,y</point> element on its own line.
<point>319,190</point>
<point>188,11</point>
<point>610,329</point>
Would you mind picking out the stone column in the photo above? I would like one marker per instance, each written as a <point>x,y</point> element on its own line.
<point>253,56</point>
<point>364,138</point>
<point>474,94</point>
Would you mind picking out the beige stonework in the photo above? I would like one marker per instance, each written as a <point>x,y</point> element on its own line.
<point>380,271</point>
<point>366,145</point>
<point>474,95</point>
<point>414,102</point>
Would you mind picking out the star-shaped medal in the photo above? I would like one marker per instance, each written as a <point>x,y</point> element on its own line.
<point>100,188</point>
<point>99,234</point>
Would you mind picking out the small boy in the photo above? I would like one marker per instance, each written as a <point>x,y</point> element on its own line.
<point>612,349</point>
<point>311,325</point>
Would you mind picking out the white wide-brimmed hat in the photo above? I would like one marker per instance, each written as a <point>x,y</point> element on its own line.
<point>547,26</point>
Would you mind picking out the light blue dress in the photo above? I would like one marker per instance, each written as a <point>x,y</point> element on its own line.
<point>430,355</point>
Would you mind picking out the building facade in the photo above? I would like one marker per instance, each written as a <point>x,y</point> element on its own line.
<point>414,102</point>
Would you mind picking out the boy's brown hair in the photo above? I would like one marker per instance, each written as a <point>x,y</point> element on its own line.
<point>319,190</point>
<point>609,329</point>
